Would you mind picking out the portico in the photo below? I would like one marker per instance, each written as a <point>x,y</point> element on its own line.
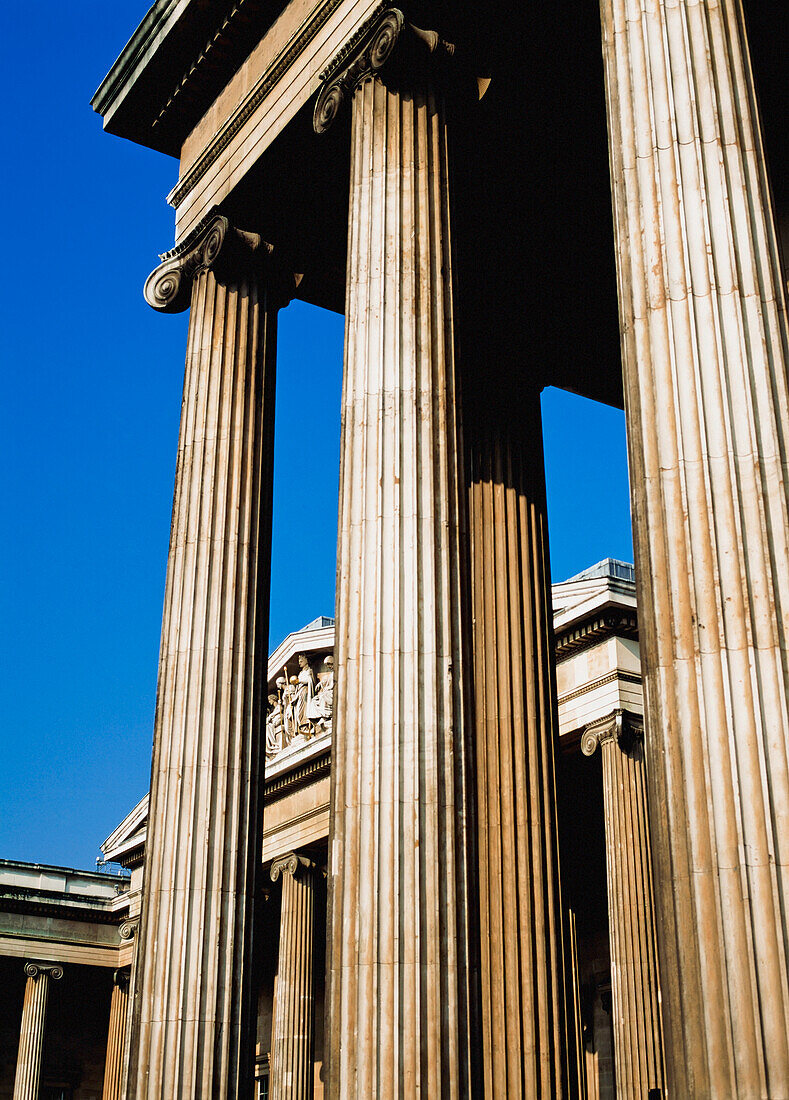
<point>445,174</point>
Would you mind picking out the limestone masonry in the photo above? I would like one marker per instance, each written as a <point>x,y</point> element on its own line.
<point>443,847</point>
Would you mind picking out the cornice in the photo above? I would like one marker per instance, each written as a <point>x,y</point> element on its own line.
<point>609,678</point>
<point>134,857</point>
<point>140,43</point>
<point>267,82</point>
<point>207,51</point>
<point>178,60</point>
<point>18,901</point>
<point>125,831</point>
<point>300,776</point>
<point>612,621</point>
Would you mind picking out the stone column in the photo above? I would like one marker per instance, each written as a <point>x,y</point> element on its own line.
<point>129,930</point>
<point>293,1022</point>
<point>194,1013</point>
<point>635,988</point>
<point>31,1032</point>
<point>116,1036</point>
<point>399,966</point>
<point>705,351</point>
<point>524,1005</point>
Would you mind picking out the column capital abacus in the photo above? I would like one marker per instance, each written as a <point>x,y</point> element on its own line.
<point>621,727</point>
<point>293,864</point>
<point>215,244</point>
<point>35,969</point>
<point>383,38</point>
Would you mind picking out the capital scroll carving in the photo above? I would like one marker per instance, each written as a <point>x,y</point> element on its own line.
<point>128,929</point>
<point>619,727</point>
<point>291,864</point>
<point>216,245</point>
<point>121,976</point>
<point>35,969</point>
<point>366,53</point>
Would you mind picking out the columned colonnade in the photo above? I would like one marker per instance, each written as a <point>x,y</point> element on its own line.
<point>32,1032</point>
<point>446,954</point>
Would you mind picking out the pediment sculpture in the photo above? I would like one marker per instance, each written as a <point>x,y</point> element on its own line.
<point>300,706</point>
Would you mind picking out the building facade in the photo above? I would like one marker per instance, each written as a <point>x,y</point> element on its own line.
<point>496,210</point>
<point>78,931</point>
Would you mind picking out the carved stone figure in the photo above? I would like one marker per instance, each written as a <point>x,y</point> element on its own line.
<point>301,707</point>
<point>323,702</point>
<point>305,693</point>
<point>289,698</point>
<point>275,726</point>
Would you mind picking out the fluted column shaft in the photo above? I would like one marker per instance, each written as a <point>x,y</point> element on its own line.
<point>635,989</point>
<point>524,1034</point>
<point>194,1017</point>
<point>116,1037</point>
<point>31,1034</point>
<point>398,963</point>
<point>129,930</point>
<point>705,365</point>
<point>293,1025</point>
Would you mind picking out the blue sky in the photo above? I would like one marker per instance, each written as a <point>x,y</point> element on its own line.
<point>92,386</point>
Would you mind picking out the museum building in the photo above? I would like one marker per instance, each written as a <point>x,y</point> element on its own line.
<point>68,937</point>
<point>499,198</point>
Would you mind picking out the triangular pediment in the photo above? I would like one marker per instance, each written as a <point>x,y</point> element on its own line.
<point>125,844</point>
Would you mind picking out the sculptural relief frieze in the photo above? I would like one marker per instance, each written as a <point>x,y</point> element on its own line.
<point>300,704</point>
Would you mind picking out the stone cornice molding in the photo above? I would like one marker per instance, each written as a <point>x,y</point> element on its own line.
<point>217,245</point>
<point>618,622</point>
<point>293,864</point>
<point>593,685</point>
<point>621,727</point>
<point>268,81</point>
<point>384,36</point>
<point>300,775</point>
<point>215,44</point>
<point>35,969</point>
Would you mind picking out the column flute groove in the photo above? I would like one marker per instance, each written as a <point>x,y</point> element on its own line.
<point>116,1037</point>
<point>399,966</point>
<point>705,353</point>
<point>524,1018</point>
<point>635,984</point>
<point>293,1023</point>
<point>193,1016</point>
<point>27,1081</point>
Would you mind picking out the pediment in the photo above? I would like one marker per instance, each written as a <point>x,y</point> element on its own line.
<point>126,843</point>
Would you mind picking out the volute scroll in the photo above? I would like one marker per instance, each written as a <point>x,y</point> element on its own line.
<point>214,244</point>
<point>387,37</point>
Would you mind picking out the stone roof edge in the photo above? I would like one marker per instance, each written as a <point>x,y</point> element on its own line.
<point>154,28</point>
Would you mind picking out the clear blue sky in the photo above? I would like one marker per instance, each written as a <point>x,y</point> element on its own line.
<point>92,389</point>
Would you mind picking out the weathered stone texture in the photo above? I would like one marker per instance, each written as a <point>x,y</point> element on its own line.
<point>193,1017</point>
<point>705,364</point>
<point>398,966</point>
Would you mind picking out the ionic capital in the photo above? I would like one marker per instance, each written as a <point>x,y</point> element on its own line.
<point>128,930</point>
<point>120,977</point>
<point>52,970</point>
<point>216,245</point>
<point>385,36</point>
<point>620,727</point>
<point>292,864</point>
